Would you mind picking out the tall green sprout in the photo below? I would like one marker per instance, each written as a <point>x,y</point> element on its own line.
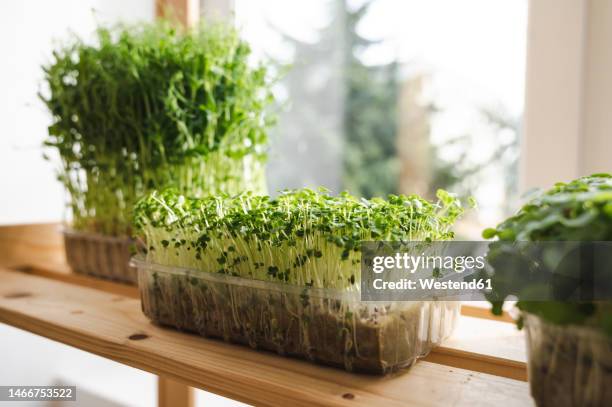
<point>150,106</point>
<point>303,237</point>
<point>580,210</point>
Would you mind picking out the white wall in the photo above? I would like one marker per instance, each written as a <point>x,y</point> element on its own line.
<point>568,125</point>
<point>553,94</point>
<point>28,29</point>
<point>30,193</point>
<point>30,360</point>
<point>597,123</point>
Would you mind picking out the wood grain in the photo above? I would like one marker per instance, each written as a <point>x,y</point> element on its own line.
<point>40,244</point>
<point>185,12</point>
<point>479,310</point>
<point>171,393</point>
<point>483,345</point>
<point>114,327</point>
<point>38,249</point>
<point>67,276</point>
<point>486,346</point>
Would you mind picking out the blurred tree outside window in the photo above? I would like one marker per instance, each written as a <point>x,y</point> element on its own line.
<point>375,99</point>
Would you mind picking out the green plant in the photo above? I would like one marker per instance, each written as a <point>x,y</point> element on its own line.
<point>580,210</point>
<point>303,237</point>
<point>151,106</point>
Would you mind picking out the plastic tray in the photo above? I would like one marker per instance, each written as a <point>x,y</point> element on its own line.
<point>100,256</point>
<point>568,365</point>
<point>324,326</point>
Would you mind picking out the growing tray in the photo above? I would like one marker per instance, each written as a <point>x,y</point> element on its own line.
<point>568,365</point>
<point>324,326</point>
<point>100,256</point>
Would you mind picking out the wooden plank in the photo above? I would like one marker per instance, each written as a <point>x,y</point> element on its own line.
<point>185,12</point>
<point>480,310</point>
<point>486,346</point>
<point>171,393</point>
<point>39,249</point>
<point>114,327</point>
<point>67,276</point>
<point>22,245</point>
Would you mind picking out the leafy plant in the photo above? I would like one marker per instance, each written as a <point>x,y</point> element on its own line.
<point>371,164</point>
<point>303,237</point>
<point>580,210</point>
<point>150,106</point>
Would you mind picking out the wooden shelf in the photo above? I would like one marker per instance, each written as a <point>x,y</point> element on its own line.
<point>113,326</point>
<point>482,345</point>
<point>481,358</point>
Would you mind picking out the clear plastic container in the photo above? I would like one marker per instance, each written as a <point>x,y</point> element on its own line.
<point>324,326</point>
<point>100,256</point>
<point>568,365</point>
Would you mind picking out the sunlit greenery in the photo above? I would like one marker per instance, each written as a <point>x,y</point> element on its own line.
<point>302,237</point>
<point>150,106</point>
<point>580,210</point>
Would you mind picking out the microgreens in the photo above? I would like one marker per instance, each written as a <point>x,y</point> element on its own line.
<point>303,237</point>
<point>149,106</point>
<point>580,210</point>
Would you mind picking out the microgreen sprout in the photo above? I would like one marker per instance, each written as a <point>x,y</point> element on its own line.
<point>150,106</point>
<point>303,237</point>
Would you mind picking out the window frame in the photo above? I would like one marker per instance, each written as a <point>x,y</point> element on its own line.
<point>566,128</point>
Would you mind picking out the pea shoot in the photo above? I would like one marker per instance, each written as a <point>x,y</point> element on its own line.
<point>149,106</point>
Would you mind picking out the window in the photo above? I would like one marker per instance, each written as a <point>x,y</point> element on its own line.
<point>388,96</point>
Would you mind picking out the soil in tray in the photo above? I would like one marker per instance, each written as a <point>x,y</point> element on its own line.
<point>568,366</point>
<point>323,330</point>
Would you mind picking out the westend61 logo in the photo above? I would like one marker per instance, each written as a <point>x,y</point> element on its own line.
<point>465,271</point>
<point>418,270</point>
